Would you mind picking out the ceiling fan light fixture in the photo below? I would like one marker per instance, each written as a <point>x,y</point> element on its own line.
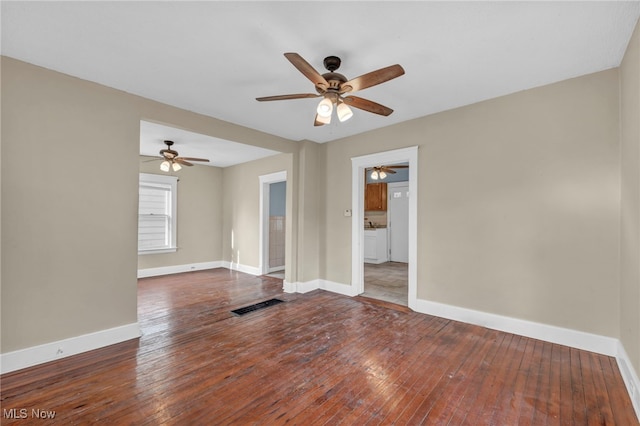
<point>325,107</point>
<point>323,120</point>
<point>176,167</point>
<point>374,175</point>
<point>344,112</point>
<point>382,175</point>
<point>165,166</point>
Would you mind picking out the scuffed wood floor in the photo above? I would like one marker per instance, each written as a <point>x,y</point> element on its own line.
<point>320,358</point>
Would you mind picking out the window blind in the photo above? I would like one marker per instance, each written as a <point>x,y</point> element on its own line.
<point>156,213</point>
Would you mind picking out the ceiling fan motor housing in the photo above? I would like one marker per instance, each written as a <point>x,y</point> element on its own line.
<point>332,63</point>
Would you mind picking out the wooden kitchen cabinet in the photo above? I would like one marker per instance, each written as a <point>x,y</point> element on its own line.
<point>375,197</point>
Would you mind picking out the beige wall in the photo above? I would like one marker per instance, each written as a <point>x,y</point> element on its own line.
<point>630,209</point>
<point>199,216</point>
<point>310,203</point>
<point>69,205</point>
<point>518,210</point>
<point>241,207</point>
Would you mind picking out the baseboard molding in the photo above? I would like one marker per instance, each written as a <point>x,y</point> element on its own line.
<point>630,377</point>
<point>251,270</point>
<point>300,287</point>
<point>307,286</point>
<point>28,357</point>
<point>176,269</point>
<point>335,287</point>
<point>549,333</point>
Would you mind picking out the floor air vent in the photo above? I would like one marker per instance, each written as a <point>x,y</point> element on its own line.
<point>261,305</point>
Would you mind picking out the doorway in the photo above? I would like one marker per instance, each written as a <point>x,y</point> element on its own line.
<point>273,189</point>
<point>386,237</point>
<point>359,165</point>
<point>277,222</point>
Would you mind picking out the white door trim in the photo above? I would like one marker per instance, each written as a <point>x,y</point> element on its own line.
<point>265,181</point>
<point>359,164</point>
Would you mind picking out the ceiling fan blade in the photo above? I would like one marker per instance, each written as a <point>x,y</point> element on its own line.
<point>283,97</point>
<point>387,170</point>
<point>372,78</point>
<point>153,159</point>
<point>367,105</point>
<point>181,161</point>
<point>191,159</point>
<point>306,69</point>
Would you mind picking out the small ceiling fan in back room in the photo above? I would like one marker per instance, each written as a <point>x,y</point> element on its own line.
<point>172,160</point>
<point>332,87</point>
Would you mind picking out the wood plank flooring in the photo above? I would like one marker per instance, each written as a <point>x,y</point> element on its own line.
<point>319,358</point>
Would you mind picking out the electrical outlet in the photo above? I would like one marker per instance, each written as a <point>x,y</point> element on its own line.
<point>59,352</point>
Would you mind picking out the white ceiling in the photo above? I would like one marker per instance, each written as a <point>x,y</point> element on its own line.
<point>216,57</point>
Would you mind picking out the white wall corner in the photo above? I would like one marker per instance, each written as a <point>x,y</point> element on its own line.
<point>630,377</point>
<point>28,357</point>
<point>176,269</point>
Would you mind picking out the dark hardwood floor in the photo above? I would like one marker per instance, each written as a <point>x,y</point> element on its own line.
<point>319,358</point>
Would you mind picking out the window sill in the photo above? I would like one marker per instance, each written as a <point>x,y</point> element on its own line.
<point>158,251</point>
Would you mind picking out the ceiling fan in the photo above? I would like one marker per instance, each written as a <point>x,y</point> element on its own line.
<point>173,161</point>
<point>331,86</point>
<point>380,172</point>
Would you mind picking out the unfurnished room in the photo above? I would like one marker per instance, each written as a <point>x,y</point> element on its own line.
<point>320,213</point>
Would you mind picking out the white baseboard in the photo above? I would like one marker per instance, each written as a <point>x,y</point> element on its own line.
<point>563,336</point>
<point>176,269</point>
<point>307,286</point>
<point>23,358</point>
<point>300,287</point>
<point>630,377</point>
<point>251,270</point>
<point>339,288</point>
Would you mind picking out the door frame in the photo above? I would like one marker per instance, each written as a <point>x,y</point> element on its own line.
<point>265,181</point>
<point>358,166</point>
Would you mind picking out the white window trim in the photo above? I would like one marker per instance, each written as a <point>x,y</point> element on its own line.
<point>172,181</point>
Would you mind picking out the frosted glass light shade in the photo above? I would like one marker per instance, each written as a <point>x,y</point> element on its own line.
<point>323,120</point>
<point>325,108</point>
<point>344,112</point>
<point>165,166</point>
<point>176,167</point>
<point>383,175</point>
<point>374,175</point>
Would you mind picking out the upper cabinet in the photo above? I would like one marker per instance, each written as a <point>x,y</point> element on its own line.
<point>375,197</point>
